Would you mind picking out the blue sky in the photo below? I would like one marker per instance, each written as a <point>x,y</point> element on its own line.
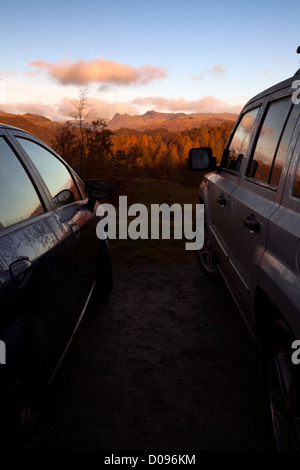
<point>134,56</point>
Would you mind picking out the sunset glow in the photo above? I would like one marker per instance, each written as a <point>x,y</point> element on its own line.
<point>167,56</point>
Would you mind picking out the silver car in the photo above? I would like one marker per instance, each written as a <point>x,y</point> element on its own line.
<point>252,238</point>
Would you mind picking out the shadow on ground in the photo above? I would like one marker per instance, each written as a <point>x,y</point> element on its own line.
<point>165,364</point>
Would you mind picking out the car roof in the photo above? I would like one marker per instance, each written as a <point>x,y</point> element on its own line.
<point>273,89</point>
<point>7,126</point>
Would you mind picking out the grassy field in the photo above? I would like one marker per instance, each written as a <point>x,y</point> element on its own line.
<point>154,191</point>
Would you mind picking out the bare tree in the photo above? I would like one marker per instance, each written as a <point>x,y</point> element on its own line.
<point>81,114</point>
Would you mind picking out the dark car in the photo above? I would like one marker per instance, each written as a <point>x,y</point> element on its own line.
<point>252,237</point>
<point>51,264</point>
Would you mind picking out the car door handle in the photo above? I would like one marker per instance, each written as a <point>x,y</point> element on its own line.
<point>251,223</point>
<point>20,270</point>
<point>76,230</point>
<point>222,200</point>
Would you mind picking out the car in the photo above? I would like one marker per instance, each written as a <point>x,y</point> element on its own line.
<point>51,264</point>
<point>251,203</point>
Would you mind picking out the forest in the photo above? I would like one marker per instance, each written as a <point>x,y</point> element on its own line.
<point>94,151</point>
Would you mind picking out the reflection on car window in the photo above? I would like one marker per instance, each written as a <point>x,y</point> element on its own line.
<point>296,183</point>
<point>284,145</point>
<point>272,144</point>
<point>240,141</point>
<point>56,176</point>
<point>19,200</point>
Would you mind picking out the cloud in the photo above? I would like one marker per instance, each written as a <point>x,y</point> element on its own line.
<point>215,71</point>
<point>49,111</point>
<point>207,104</point>
<point>64,109</point>
<point>100,70</point>
<point>281,59</point>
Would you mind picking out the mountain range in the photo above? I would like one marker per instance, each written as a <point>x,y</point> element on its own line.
<point>169,121</point>
<point>44,128</point>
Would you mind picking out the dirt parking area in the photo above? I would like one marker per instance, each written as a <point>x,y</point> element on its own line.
<point>165,364</point>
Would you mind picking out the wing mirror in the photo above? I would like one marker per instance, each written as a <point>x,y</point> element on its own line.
<point>201,159</point>
<point>96,190</point>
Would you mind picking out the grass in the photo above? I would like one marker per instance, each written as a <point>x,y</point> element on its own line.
<point>149,191</point>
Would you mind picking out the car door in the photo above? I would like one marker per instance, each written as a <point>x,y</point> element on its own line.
<point>33,246</point>
<point>280,265</point>
<point>225,183</point>
<point>78,221</point>
<point>258,196</point>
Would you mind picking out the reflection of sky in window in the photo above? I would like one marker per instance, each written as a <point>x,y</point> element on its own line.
<point>287,135</point>
<point>18,197</point>
<point>242,135</point>
<point>53,172</point>
<point>271,130</point>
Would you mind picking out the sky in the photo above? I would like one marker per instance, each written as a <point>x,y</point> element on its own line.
<point>133,56</point>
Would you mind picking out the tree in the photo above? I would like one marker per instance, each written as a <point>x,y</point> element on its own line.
<point>81,114</point>
<point>125,158</point>
<point>66,143</point>
<point>98,144</point>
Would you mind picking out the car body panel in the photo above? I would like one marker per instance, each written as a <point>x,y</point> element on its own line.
<point>250,260</point>
<point>48,266</point>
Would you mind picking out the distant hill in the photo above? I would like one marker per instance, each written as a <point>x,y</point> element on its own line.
<point>44,128</point>
<point>38,125</point>
<point>169,121</point>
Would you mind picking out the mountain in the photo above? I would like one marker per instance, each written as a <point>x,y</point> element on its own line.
<point>45,129</point>
<point>169,121</point>
<point>140,122</point>
<point>38,125</point>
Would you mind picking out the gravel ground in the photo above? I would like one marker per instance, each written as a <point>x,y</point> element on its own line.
<point>166,364</point>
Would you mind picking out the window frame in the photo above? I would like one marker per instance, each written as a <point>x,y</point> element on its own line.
<point>41,183</point>
<point>268,102</point>
<point>243,113</point>
<point>6,135</point>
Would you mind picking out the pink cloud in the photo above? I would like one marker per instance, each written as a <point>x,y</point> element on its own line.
<point>207,104</point>
<point>215,71</point>
<point>100,70</point>
<point>64,109</point>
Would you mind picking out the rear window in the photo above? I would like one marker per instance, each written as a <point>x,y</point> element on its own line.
<point>55,174</point>
<point>273,142</point>
<point>19,199</point>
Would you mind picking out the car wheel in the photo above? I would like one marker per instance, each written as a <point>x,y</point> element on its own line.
<point>207,258</point>
<point>284,394</point>
<point>25,418</point>
<point>104,279</point>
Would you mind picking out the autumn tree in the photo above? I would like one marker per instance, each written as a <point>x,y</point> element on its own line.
<point>125,158</point>
<point>81,113</point>
<point>98,145</point>
<point>66,143</point>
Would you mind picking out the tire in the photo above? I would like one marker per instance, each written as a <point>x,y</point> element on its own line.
<point>25,418</point>
<point>207,258</point>
<point>104,279</point>
<point>283,390</point>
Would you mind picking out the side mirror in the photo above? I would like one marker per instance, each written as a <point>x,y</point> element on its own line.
<point>97,190</point>
<point>201,159</point>
<point>64,197</point>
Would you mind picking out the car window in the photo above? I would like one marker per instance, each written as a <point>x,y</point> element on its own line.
<point>55,174</point>
<point>273,141</point>
<point>240,141</point>
<point>19,199</point>
<point>296,182</point>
